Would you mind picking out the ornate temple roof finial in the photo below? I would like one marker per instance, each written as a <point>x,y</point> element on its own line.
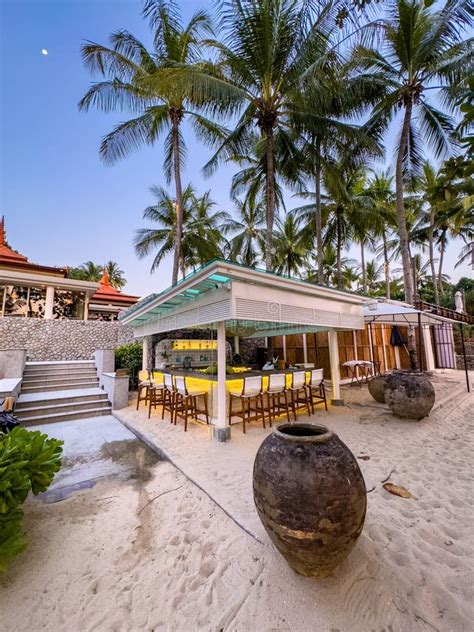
<point>105,279</point>
<point>2,231</point>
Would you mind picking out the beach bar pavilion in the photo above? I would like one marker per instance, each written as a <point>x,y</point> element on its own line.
<point>238,301</point>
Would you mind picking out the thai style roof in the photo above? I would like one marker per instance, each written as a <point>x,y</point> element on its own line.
<point>107,293</point>
<point>10,258</point>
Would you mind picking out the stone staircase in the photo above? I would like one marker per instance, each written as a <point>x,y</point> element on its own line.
<point>60,391</point>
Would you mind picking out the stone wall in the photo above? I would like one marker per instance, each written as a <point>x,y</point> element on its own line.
<point>61,339</point>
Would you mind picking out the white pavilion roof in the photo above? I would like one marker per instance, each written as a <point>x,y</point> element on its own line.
<point>252,302</point>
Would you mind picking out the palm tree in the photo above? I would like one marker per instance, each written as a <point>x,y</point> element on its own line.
<point>202,230</point>
<point>290,249</point>
<point>90,271</point>
<point>116,274</point>
<point>373,279</point>
<point>347,198</point>
<point>266,54</point>
<point>135,80</point>
<point>383,218</point>
<point>421,49</point>
<point>245,246</point>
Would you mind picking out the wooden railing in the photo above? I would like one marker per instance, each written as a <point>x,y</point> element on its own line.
<point>444,312</point>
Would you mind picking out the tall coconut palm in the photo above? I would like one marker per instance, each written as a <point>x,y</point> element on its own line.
<point>247,230</point>
<point>266,52</point>
<point>347,198</point>
<point>290,249</point>
<point>202,230</point>
<point>383,218</point>
<point>135,81</point>
<point>421,49</point>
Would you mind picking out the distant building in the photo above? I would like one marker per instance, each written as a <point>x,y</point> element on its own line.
<point>35,291</point>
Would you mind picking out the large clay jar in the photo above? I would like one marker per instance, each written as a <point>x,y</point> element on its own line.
<point>409,394</point>
<point>310,496</point>
<point>377,388</point>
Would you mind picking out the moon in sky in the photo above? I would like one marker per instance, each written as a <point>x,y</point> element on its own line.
<point>44,51</point>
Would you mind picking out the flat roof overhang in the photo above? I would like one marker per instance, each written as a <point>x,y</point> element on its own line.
<point>385,313</point>
<point>10,277</point>
<point>248,300</point>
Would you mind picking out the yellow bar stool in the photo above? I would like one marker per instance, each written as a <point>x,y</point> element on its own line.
<point>275,392</point>
<point>251,400</point>
<point>316,389</point>
<point>186,402</point>
<point>144,383</point>
<point>299,392</point>
<point>168,396</point>
<point>156,394</point>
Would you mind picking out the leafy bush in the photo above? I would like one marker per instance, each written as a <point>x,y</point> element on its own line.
<point>129,357</point>
<point>28,462</point>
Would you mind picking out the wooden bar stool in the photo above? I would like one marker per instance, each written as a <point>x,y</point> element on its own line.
<point>156,395</point>
<point>299,392</point>
<point>251,400</point>
<point>186,402</point>
<point>275,392</point>
<point>168,396</point>
<point>144,383</point>
<point>315,388</point>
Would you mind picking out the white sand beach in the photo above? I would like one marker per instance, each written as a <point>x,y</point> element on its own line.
<point>158,553</point>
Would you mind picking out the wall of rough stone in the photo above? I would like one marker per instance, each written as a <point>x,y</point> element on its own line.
<point>61,339</point>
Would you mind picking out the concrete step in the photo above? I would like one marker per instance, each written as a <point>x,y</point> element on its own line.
<point>30,402</point>
<point>77,414</point>
<point>65,371</point>
<point>59,387</point>
<point>35,366</point>
<point>39,381</point>
<point>33,411</point>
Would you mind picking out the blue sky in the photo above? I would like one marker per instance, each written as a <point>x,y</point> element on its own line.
<point>63,206</point>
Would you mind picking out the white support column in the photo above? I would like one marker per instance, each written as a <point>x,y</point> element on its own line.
<point>384,351</point>
<point>221,429</point>
<point>49,305</point>
<point>354,342</point>
<point>335,375</point>
<point>284,347</point>
<point>398,364</point>
<point>236,344</point>
<point>86,308</point>
<point>145,352</point>
<point>305,349</point>
<point>429,354</point>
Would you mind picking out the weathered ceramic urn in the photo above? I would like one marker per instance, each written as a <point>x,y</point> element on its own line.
<point>377,388</point>
<point>409,394</point>
<point>310,496</point>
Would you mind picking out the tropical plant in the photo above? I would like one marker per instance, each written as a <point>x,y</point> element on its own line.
<point>421,49</point>
<point>129,356</point>
<point>28,462</point>
<point>202,229</point>
<point>135,80</point>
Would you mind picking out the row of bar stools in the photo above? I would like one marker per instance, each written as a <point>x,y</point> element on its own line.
<point>156,395</point>
<point>278,398</point>
<point>251,400</point>
<point>185,402</point>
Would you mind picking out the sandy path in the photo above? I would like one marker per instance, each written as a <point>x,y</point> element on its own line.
<point>105,560</point>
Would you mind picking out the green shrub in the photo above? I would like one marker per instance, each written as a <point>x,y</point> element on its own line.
<point>28,462</point>
<point>129,357</point>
